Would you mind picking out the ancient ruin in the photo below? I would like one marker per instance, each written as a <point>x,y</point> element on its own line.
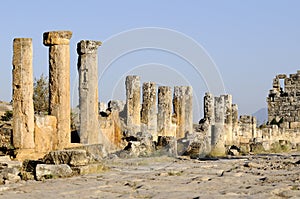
<point>88,91</point>
<point>23,123</point>
<point>152,120</point>
<point>59,82</point>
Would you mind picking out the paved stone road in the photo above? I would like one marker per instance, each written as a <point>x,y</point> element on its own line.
<point>163,177</point>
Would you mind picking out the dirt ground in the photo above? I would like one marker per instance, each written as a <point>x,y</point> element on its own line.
<point>261,176</point>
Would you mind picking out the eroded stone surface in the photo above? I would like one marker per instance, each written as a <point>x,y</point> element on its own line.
<point>149,109</point>
<point>47,171</point>
<point>133,104</point>
<point>70,157</point>
<point>59,83</point>
<point>23,112</point>
<point>88,91</point>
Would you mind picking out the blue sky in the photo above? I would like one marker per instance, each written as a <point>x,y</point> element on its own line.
<point>249,41</point>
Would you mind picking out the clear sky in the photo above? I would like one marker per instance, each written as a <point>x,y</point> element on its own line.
<point>249,41</point>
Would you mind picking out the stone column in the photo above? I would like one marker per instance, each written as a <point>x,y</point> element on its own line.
<point>235,123</point>
<point>188,110</point>
<point>149,109</point>
<point>217,131</point>
<point>209,108</point>
<point>23,121</point>
<point>59,82</point>
<point>179,110</point>
<point>133,105</point>
<point>228,119</point>
<point>88,91</point>
<point>164,116</point>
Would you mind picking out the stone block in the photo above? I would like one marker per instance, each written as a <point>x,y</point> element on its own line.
<point>294,125</point>
<point>69,157</point>
<point>89,169</point>
<point>46,171</point>
<point>45,133</point>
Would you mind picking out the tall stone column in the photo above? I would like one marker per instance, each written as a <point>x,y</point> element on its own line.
<point>228,119</point>
<point>149,109</point>
<point>164,116</point>
<point>217,131</point>
<point>179,110</point>
<point>88,91</point>
<point>23,122</point>
<point>59,82</point>
<point>188,110</point>
<point>209,108</point>
<point>235,123</point>
<point>133,105</point>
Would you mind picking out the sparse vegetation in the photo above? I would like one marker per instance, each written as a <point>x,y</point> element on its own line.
<point>8,115</point>
<point>41,95</point>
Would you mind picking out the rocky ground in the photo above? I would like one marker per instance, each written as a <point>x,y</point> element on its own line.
<point>261,176</point>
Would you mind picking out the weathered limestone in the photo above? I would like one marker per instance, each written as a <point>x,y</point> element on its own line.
<point>284,101</point>
<point>88,91</point>
<point>133,105</point>
<point>44,133</point>
<point>59,82</point>
<point>23,122</point>
<point>217,131</point>
<point>44,171</point>
<point>72,157</point>
<point>209,108</point>
<point>228,119</point>
<point>189,110</point>
<point>149,108</point>
<point>182,103</point>
<point>164,116</point>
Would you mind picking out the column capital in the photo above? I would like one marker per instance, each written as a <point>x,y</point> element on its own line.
<point>23,40</point>
<point>88,47</point>
<point>57,38</point>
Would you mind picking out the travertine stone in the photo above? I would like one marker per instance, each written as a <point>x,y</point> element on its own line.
<point>45,131</point>
<point>149,109</point>
<point>59,82</point>
<point>23,122</point>
<point>164,116</point>
<point>228,119</point>
<point>182,105</point>
<point>133,105</point>
<point>235,123</point>
<point>88,91</point>
<point>189,110</point>
<point>209,108</point>
<point>218,128</point>
<point>218,140</point>
<point>283,100</point>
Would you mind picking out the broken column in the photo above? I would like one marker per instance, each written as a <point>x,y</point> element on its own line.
<point>182,103</point>
<point>59,82</point>
<point>164,115</point>
<point>209,108</point>
<point>88,91</point>
<point>235,123</point>
<point>188,110</point>
<point>133,106</point>
<point>149,108</point>
<point>217,131</point>
<point>228,119</point>
<point>23,121</point>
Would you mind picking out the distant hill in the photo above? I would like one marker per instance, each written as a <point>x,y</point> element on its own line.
<point>261,115</point>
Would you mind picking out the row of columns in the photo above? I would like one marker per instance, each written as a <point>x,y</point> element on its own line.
<point>156,118</point>
<point>59,89</point>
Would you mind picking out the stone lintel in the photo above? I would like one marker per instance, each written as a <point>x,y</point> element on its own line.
<point>88,47</point>
<point>57,38</point>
